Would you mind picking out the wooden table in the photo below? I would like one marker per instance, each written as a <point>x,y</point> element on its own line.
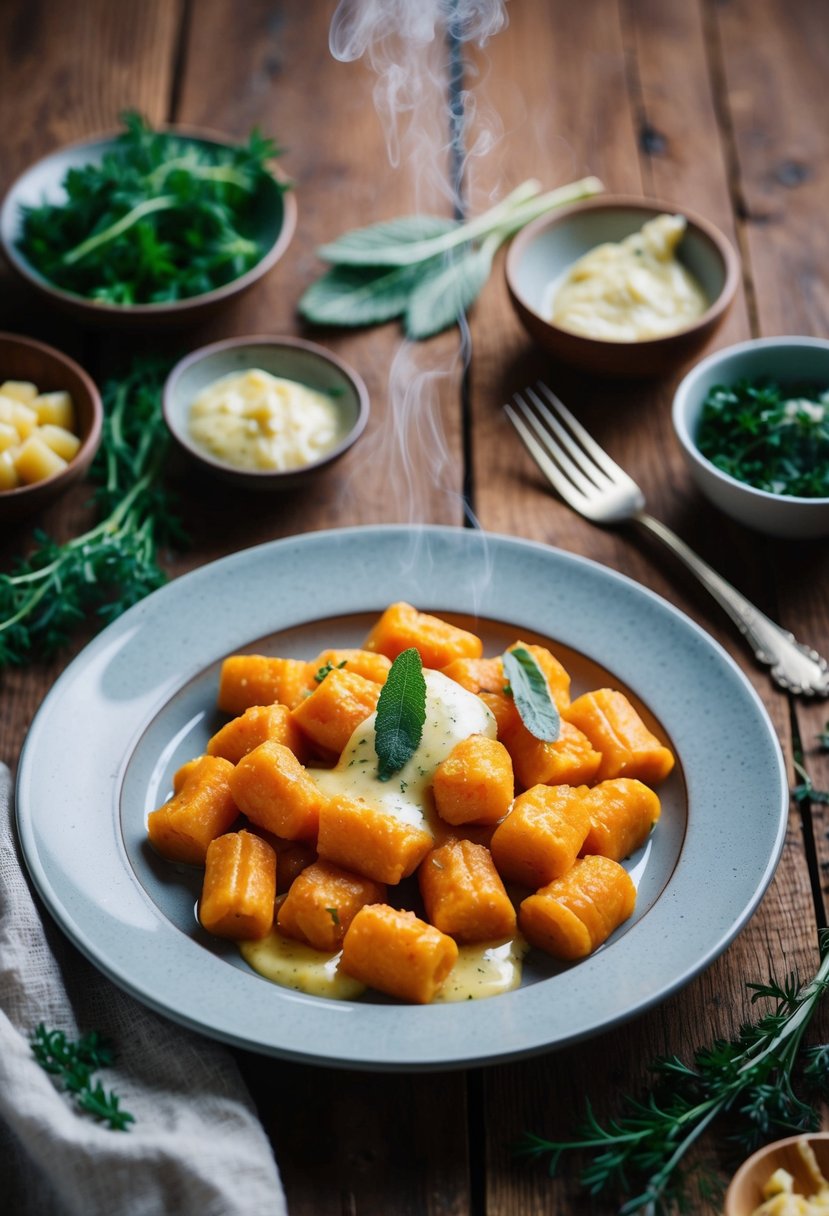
<point>710,104</point>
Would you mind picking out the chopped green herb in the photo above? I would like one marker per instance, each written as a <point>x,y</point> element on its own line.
<point>74,1064</point>
<point>774,439</point>
<point>320,675</point>
<point>401,713</point>
<point>334,914</point>
<point>529,689</point>
<point>640,1153</point>
<point>160,218</point>
<point>109,568</point>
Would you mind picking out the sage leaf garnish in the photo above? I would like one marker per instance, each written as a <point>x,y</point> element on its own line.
<point>401,713</point>
<point>426,269</point>
<point>531,694</point>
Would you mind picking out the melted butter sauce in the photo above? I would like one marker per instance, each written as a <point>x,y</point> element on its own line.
<point>452,714</point>
<point>293,964</point>
<point>485,969</point>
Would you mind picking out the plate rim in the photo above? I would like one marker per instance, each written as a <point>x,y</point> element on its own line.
<point>394,1059</point>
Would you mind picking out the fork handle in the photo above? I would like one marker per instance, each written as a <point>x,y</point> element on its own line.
<point>794,667</point>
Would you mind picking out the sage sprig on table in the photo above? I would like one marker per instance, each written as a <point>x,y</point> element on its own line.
<point>640,1153</point>
<point>427,269</point>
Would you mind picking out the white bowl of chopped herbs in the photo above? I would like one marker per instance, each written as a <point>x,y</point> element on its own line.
<point>148,227</point>
<point>753,424</point>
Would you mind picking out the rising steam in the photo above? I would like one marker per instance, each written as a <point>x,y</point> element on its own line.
<point>415,49</point>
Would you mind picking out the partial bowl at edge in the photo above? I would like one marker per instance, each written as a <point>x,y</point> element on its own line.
<point>292,358</point>
<point>745,1191</point>
<point>785,360</point>
<point>545,249</point>
<point>26,359</point>
<point>276,221</point>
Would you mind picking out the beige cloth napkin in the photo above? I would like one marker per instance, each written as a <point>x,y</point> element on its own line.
<point>196,1146</point>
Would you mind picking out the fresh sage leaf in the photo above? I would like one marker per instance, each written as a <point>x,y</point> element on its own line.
<point>361,295</point>
<point>440,299</point>
<point>401,713</point>
<point>396,242</point>
<point>531,694</point>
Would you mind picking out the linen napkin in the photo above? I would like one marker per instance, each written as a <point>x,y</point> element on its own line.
<point>196,1146</point>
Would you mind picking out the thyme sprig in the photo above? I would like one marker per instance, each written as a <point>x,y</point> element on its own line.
<point>74,1064</point>
<point>640,1154</point>
<point>114,564</point>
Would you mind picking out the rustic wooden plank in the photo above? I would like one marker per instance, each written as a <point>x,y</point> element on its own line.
<point>362,1143</point>
<point>69,70</point>
<point>269,65</point>
<point>645,69</point>
<point>782,147</point>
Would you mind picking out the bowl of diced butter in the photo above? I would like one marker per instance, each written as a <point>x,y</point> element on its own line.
<point>50,424</point>
<point>785,1178</point>
<point>264,413</point>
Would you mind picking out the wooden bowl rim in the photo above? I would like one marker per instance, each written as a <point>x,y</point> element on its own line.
<point>51,486</point>
<point>648,206</point>
<point>266,476</point>
<point>83,304</point>
<point>753,1162</point>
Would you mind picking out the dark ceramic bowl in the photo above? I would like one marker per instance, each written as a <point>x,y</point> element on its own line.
<point>275,221</point>
<point>291,358</point>
<point>546,248</point>
<point>24,359</point>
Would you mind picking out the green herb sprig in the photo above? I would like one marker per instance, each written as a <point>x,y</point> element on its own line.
<point>401,713</point>
<point>74,1064</point>
<point>427,269</point>
<point>160,218</point>
<point>114,564</point>
<point>640,1153</point>
<point>773,439</point>
<point>527,685</point>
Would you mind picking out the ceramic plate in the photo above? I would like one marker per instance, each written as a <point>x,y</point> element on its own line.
<point>140,699</point>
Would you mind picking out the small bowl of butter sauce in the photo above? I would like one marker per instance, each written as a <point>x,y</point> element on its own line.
<point>265,413</point>
<point>622,286</point>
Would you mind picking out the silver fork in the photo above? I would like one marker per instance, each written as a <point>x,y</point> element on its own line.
<point>594,485</point>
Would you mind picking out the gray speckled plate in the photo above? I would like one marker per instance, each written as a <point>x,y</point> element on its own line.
<point>140,700</point>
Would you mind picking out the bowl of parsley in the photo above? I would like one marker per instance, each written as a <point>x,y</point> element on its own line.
<point>753,424</point>
<point>147,228</point>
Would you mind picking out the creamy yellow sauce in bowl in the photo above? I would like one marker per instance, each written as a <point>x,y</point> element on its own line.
<point>622,286</point>
<point>264,413</point>
<point>630,290</point>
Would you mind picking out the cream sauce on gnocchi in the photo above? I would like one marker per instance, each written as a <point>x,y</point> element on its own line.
<point>296,965</point>
<point>452,714</point>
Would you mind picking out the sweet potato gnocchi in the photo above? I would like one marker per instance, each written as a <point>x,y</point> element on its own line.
<point>484,840</point>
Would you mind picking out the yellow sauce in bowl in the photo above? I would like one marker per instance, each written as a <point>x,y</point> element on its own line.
<point>253,420</point>
<point>632,290</point>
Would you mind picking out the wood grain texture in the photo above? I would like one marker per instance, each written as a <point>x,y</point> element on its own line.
<point>270,65</point>
<point>782,146</point>
<point>710,104</point>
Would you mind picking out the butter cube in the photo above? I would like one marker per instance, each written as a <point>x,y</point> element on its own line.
<point>56,408</point>
<point>60,440</point>
<point>20,416</point>
<point>8,473</point>
<point>36,462</point>
<point>9,437</point>
<point>19,390</point>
